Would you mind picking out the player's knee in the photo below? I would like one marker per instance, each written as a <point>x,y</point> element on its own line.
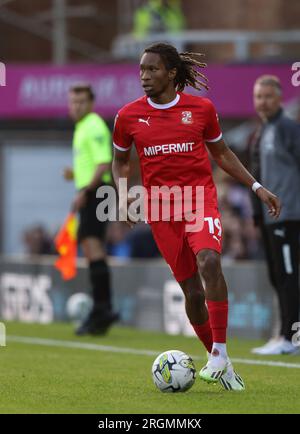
<point>209,264</point>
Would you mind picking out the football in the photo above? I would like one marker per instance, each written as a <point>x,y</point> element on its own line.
<point>173,371</point>
<point>78,306</point>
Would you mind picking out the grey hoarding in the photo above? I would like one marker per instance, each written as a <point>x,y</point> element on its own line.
<point>145,293</point>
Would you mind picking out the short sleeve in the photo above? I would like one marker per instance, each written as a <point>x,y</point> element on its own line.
<point>122,139</point>
<point>100,142</point>
<point>212,132</point>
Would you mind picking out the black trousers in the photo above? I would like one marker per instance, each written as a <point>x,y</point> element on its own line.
<point>281,242</point>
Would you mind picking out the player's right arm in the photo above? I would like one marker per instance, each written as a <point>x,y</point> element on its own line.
<point>120,166</point>
<point>229,162</point>
<point>122,140</point>
<point>121,159</point>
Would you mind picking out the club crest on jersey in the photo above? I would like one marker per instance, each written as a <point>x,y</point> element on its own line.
<point>187,117</point>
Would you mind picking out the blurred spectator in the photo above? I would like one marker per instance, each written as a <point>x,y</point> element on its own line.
<point>241,239</point>
<point>158,16</point>
<point>38,241</point>
<point>117,243</point>
<point>124,242</point>
<point>142,242</point>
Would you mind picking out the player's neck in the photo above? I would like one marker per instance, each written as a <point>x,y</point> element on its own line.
<point>165,97</point>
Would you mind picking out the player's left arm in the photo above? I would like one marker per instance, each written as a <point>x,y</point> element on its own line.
<point>229,162</point>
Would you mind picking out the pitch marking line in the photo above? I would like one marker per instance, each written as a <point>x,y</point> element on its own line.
<point>112,349</point>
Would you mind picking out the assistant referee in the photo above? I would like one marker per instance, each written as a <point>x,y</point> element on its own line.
<point>92,156</point>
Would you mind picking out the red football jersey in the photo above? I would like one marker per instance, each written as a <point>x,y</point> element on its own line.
<point>170,142</point>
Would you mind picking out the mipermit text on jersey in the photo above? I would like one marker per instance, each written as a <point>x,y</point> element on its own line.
<point>168,148</point>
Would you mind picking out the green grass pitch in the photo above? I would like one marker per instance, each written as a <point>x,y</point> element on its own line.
<point>50,377</point>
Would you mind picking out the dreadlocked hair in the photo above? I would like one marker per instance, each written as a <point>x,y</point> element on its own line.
<point>186,64</point>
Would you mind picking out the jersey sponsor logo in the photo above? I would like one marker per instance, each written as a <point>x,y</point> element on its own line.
<point>168,148</point>
<point>146,121</point>
<point>187,117</point>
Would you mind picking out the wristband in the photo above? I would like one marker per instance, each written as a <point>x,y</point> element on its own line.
<point>255,186</point>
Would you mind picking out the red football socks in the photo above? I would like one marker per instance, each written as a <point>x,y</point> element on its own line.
<point>218,317</point>
<point>204,333</point>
